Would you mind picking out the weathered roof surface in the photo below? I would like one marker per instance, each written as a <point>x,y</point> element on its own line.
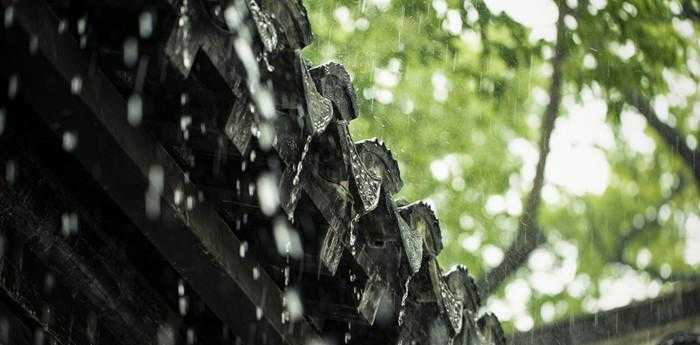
<point>250,106</point>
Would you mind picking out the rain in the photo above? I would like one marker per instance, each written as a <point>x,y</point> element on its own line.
<point>325,172</point>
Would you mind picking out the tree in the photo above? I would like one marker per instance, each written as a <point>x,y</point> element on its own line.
<point>455,88</point>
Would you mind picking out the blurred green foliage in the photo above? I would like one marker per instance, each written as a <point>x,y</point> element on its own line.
<point>457,92</point>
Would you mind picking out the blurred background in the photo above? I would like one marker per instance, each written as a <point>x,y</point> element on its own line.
<point>556,140</point>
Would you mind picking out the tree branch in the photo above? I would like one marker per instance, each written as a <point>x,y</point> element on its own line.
<point>670,135</point>
<point>529,235</point>
<point>617,254</point>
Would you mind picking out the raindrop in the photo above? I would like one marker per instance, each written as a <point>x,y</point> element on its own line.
<point>49,283</point>
<point>190,336</point>
<point>265,103</point>
<point>155,189</point>
<point>251,189</point>
<point>177,196</point>
<point>294,305</point>
<point>268,194</point>
<point>258,313</point>
<point>12,86</point>
<point>10,172</point>
<point>182,305</point>
<point>243,249</point>
<point>134,110</point>
<point>190,202</point>
<point>2,120</point>
<point>131,51</point>
<point>70,140</point>
<point>187,59</point>
<point>347,337</point>
<point>91,326</point>
<point>82,24</point>
<point>4,330</point>
<point>185,121</point>
<point>62,25</point>
<point>266,136</point>
<point>69,224</point>
<point>33,44</point>
<point>665,271</point>
<point>76,85</point>
<point>146,24</point>
<point>232,17</point>
<point>287,239</point>
<point>38,336</point>
<point>9,16</point>
<point>256,273</point>
<point>180,288</point>
<point>252,155</point>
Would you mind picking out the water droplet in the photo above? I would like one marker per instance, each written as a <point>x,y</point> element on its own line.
<point>131,51</point>
<point>232,17</point>
<point>12,86</point>
<point>9,16</point>
<point>177,196</point>
<point>294,305</point>
<point>268,194</point>
<point>156,178</point>
<point>39,336</point>
<point>186,58</point>
<point>185,121</point>
<point>243,249</point>
<point>10,172</point>
<point>258,313</point>
<point>190,336</point>
<point>82,25</point>
<point>69,224</point>
<point>256,273</point>
<point>33,44</point>
<point>134,110</point>
<point>70,140</point>
<point>2,120</point>
<point>182,305</point>
<point>49,283</point>
<point>146,24</point>
<point>62,25</point>
<point>180,287</point>
<point>287,239</point>
<point>76,85</point>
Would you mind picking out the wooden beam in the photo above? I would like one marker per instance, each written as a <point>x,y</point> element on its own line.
<point>72,95</point>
